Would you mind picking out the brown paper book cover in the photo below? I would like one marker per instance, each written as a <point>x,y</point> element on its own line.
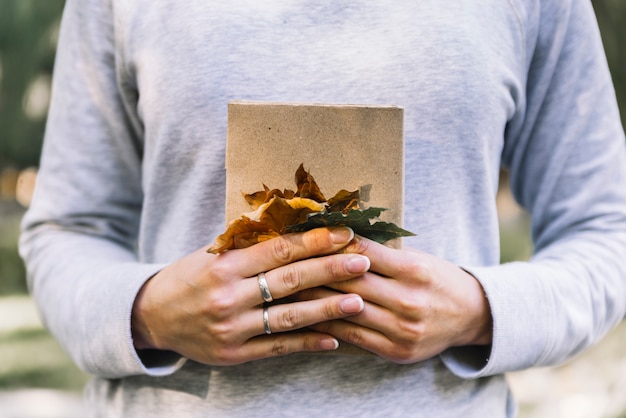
<point>343,146</point>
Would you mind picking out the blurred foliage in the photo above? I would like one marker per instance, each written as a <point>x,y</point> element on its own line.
<point>12,271</point>
<point>35,360</point>
<point>28,31</point>
<point>515,241</point>
<point>611,15</point>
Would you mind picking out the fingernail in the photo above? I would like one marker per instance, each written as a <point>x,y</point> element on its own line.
<point>352,304</point>
<point>329,344</point>
<point>341,235</point>
<point>357,264</point>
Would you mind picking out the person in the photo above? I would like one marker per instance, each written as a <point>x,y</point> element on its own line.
<point>131,193</point>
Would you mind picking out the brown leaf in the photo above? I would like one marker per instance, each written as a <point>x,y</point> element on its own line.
<point>280,212</point>
<point>307,187</point>
<point>277,212</point>
<point>256,199</point>
<point>343,201</point>
<point>242,233</point>
<point>249,238</point>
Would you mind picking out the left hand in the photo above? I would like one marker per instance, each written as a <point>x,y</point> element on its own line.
<point>416,305</point>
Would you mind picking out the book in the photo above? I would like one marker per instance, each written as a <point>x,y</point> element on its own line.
<point>343,146</point>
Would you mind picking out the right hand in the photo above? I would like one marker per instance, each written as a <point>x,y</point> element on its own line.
<point>209,308</point>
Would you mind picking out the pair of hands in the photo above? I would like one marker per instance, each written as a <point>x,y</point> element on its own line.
<point>403,305</point>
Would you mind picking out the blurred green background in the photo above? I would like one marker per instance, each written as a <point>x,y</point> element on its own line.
<point>33,368</point>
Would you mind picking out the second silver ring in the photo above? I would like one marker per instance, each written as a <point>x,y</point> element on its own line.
<point>266,320</point>
<point>265,290</point>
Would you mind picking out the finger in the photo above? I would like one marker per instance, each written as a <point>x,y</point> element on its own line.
<point>373,316</point>
<point>372,287</point>
<point>276,345</point>
<point>285,249</point>
<point>375,329</point>
<point>296,315</point>
<point>305,274</point>
<point>362,337</point>
<point>386,261</point>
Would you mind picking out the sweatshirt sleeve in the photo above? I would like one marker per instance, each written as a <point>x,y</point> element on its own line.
<point>79,235</point>
<point>565,150</point>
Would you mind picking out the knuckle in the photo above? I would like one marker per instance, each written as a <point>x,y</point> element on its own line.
<point>358,246</point>
<point>410,331</point>
<point>289,319</point>
<point>423,268</point>
<point>221,265</point>
<point>280,347</point>
<point>221,304</point>
<point>292,279</point>
<point>318,239</point>
<point>334,267</point>
<point>282,249</point>
<point>402,355</point>
<point>411,306</point>
<point>225,356</point>
<point>354,336</point>
<point>222,333</point>
<point>330,311</point>
<point>399,352</point>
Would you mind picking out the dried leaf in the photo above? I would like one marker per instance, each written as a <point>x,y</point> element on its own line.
<point>282,212</point>
<point>343,201</point>
<point>278,212</point>
<point>258,198</point>
<point>242,233</point>
<point>307,187</point>
<point>302,203</point>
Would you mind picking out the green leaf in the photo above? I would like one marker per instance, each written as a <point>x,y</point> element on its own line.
<point>361,221</point>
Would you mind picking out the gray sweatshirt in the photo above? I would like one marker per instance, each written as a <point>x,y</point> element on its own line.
<point>132,177</point>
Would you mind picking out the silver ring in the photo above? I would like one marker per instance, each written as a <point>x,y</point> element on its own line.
<point>265,290</point>
<point>266,320</point>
